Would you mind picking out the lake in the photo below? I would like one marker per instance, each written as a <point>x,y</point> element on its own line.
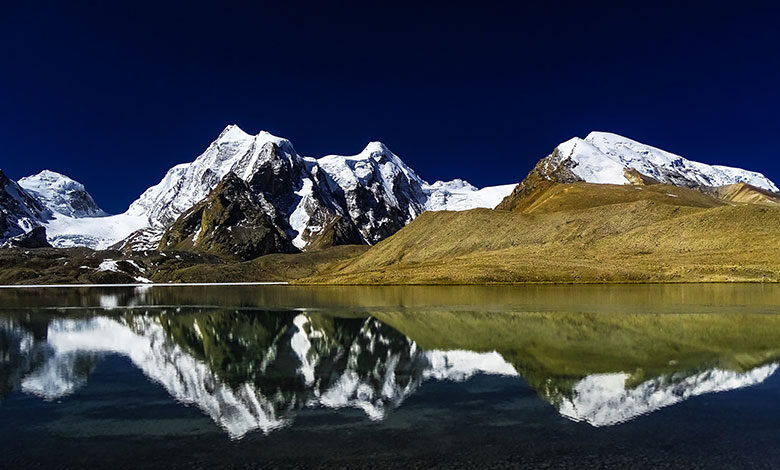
<point>401,377</point>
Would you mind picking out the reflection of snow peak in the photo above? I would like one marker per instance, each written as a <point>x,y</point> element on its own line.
<point>58,377</point>
<point>387,392</point>
<point>244,408</point>
<point>188,380</point>
<point>301,345</point>
<point>603,400</point>
<point>461,365</point>
<point>371,368</point>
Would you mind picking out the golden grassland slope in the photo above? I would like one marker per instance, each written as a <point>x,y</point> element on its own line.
<point>580,232</point>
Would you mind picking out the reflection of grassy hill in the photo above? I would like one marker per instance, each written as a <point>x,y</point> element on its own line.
<point>580,232</point>
<point>562,346</point>
<point>551,350</point>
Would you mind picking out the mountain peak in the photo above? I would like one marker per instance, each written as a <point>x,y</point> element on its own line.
<point>61,194</point>
<point>602,157</point>
<point>376,147</point>
<point>232,133</point>
<point>604,135</point>
<point>53,178</point>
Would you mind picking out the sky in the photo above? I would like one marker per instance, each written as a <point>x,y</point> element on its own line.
<point>113,94</point>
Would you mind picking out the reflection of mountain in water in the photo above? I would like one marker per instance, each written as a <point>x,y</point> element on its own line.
<point>604,399</point>
<point>248,370</point>
<point>251,370</point>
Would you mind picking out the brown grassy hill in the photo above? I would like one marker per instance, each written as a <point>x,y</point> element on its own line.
<point>273,267</point>
<point>580,232</point>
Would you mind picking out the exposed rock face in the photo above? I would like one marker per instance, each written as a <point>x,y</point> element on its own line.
<point>638,179</point>
<point>19,212</point>
<point>555,168</point>
<point>746,194</point>
<point>35,238</point>
<point>375,189</point>
<point>232,221</point>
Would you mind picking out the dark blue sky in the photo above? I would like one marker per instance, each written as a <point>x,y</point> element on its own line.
<point>115,95</point>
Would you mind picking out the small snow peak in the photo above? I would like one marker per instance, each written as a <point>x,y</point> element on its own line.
<point>603,135</point>
<point>232,133</point>
<point>376,148</point>
<point>50,176</point>
<point>453,185</point>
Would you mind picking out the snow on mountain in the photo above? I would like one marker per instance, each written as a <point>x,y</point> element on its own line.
<point>603,157</point>
<point>64,208</point>
<point>379,192</point>
<point>97,233</point>
<point>334,199</point>
<point>459,195</point>
<point>367,196</point>
<point>72,218</point>
<point>61,194</point>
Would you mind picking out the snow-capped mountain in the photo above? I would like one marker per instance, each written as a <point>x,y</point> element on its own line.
<point>187,184</point>
<point>61,194</point>
<point>63,207</point>
<point>335,199</point>
<point>332,200</point>
<point>363,198</point>
<point>603,157</point>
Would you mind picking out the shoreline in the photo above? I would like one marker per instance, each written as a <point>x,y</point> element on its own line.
<point>162,284</point>
<point>300,284</point>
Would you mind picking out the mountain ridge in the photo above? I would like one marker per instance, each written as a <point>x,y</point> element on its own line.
<point>373,192</point>
<point>315,203</point>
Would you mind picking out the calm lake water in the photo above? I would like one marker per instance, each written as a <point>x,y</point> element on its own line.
<point>420,377</point>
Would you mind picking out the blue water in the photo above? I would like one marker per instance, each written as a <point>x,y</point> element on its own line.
<point>81,392</point>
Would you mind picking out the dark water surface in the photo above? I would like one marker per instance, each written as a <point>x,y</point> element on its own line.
<point>406,377</point>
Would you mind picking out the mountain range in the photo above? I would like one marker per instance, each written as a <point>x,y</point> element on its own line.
<point>362,198</point>
<point>247,196</point>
